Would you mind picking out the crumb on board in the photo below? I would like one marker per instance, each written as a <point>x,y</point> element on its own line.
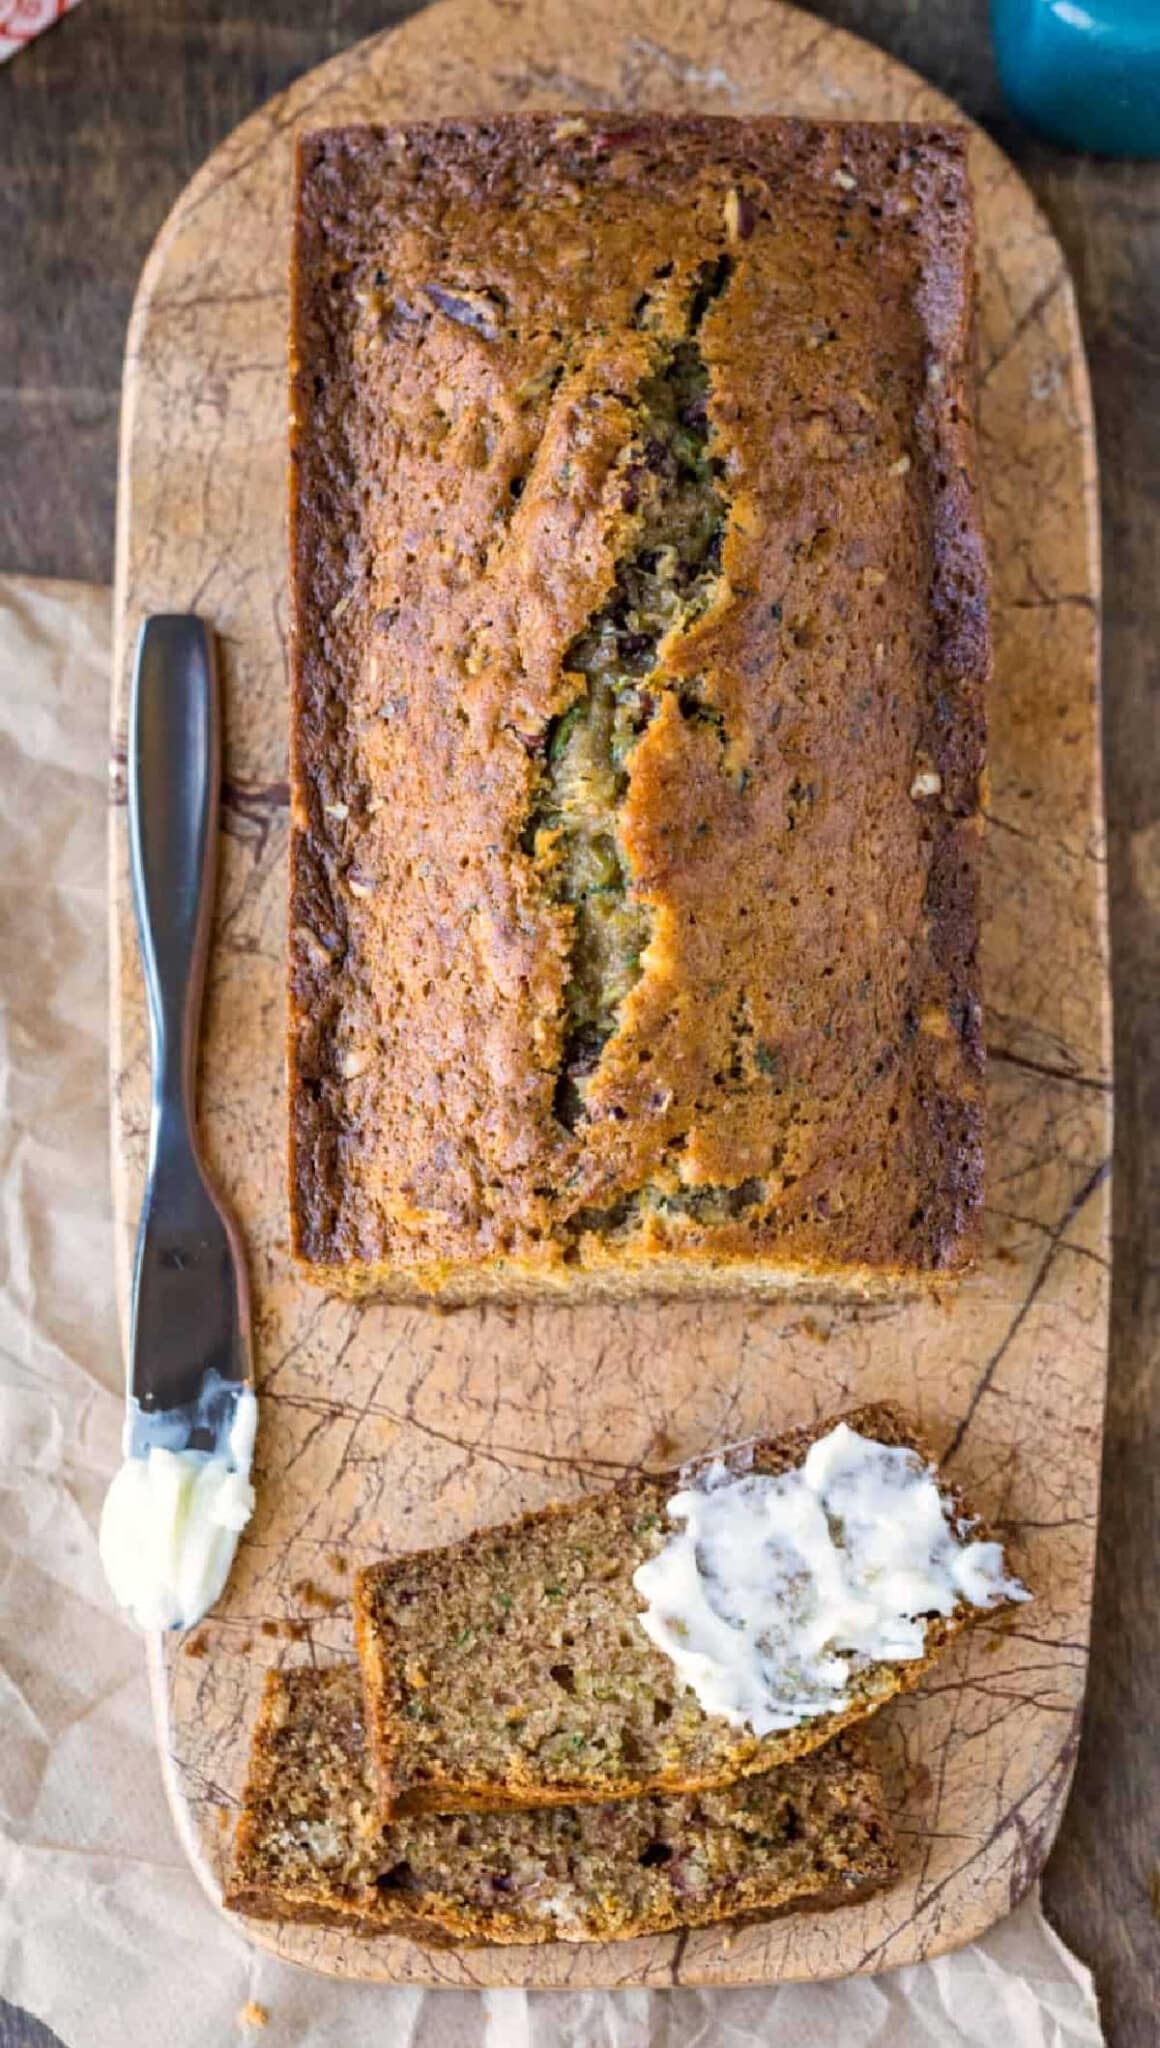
<point>1001,1624</point>
<point>316,1596</point>
<point>198,1645</point>
<point>337,1560</point>
<point>253,2015</point>
<point>269,1628</point>
<point>921,1783</point>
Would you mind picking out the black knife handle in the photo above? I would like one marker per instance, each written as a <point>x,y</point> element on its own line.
<point>174,778</point>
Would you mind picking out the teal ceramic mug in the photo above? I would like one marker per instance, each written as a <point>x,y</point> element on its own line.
<point>1086,72</point>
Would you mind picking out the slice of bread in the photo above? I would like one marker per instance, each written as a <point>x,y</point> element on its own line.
<point>308,1846</point>
<point>512,1670</point>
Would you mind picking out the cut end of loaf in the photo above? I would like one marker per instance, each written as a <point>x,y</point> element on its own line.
<point>689,1276</point>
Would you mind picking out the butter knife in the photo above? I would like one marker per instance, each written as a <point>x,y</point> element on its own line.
<point>174,1511</point>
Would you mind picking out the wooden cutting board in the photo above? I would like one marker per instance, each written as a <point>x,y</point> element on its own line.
<point>397,1427</point>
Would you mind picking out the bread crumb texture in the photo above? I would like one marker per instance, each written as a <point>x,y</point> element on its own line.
<point>309,1848</point>
<point>512,1668</point>
<point>640,647</point>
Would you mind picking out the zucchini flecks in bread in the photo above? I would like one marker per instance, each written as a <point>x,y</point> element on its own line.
<point>670,483</point>
<point>512,1669</point>
<point>307,1848</point>
<point>705,1204</point>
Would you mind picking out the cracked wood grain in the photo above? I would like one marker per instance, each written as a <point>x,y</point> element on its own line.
<point>391,1428</point>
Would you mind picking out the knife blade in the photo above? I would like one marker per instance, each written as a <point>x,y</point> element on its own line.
<point>174,1511</point>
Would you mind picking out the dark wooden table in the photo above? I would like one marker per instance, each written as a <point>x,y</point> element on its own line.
<point>102,122</point>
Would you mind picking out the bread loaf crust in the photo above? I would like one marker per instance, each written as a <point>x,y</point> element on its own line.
<point>520,347</point>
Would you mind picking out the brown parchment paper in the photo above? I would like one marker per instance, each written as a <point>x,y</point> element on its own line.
<point>104,1932</point>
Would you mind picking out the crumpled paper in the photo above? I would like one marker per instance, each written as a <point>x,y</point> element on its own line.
<point>104,1932</point>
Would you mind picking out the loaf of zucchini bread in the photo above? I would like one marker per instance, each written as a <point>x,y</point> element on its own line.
<point>675,1634</point>
<point>308,1846</point>
<point>640,638</point>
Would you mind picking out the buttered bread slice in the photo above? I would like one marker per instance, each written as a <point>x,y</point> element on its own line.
<point>678,1633</point>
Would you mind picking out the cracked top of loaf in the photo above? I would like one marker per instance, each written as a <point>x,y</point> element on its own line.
<point>640,641</point>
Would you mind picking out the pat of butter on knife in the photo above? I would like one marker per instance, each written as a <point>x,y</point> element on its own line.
<point>171,1522</point>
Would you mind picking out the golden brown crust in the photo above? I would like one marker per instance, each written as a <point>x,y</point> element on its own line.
<point>815,1836</point>
<point>793,1086</point>
<point>407,1680</point>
